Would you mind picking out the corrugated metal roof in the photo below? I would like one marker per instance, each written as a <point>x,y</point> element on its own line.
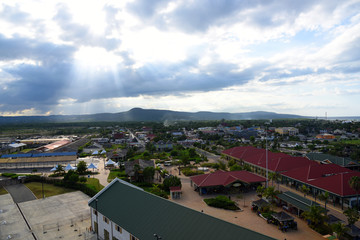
<point>143,214</point>
<point>29,155</point>
<point>296,200</point>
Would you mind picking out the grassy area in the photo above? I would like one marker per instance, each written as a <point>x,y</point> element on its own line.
<point>49,189</point>
<point>94,183</point>
<point>116,173</point>
<point>3,191</point>
<point>351,142</point>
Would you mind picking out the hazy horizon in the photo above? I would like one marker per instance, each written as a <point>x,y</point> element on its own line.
<point>67,57</point>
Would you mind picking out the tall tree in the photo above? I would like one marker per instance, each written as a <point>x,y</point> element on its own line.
<point>271,193</point>
<point>354,183</point>
<point>324,197</point>
<point>275,176</point>
<point>340,229</point>
<point>352,215</point>
<point>314,215</point>
<point>59,169</point>
<point>149,174</point>
<point>260,190</point>
<point>81,168</point>
<point>304,189</point>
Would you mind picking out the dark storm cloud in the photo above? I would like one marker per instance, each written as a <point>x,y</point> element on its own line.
<point>81,34</point>
<point>38,84</point>
<point>19,48</point>
<point>163,79</point>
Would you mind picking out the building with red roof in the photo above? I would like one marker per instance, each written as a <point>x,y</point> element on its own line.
<point>255,158</point>
<point>298,171</point>
<point>224,181</point>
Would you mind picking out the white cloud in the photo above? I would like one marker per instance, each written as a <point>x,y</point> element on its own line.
<point>294,57</point>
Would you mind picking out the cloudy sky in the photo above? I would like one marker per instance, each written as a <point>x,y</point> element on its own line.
<point>80,57</point>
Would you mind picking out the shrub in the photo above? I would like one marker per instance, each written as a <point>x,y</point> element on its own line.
<point>221,202</point>
<point>82,179</point>
<point>189,172</point>
<point>8,174</point>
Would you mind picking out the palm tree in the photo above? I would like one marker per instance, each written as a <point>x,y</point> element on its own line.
<point>314,215</point>
<point>275,176</point>
<point>59,169</point>
<point>324,197</point>
<point>304,189</point>
<point>340,229</point>
<point>260,190</point>
<point>352,215</point>
<point>271,193</point>
<point>354,183</point>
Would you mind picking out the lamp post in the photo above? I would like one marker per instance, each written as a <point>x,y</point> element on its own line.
<point>157,236</point>
<point>97,219</point>
<point>266,151</point>
<point>266,155</point>
<point>42,186</point>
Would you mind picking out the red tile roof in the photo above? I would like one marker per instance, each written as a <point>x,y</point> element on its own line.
<point>222,178</point>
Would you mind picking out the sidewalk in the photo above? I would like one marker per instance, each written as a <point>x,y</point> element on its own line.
<point>334,210</point>
<point>246,218</point>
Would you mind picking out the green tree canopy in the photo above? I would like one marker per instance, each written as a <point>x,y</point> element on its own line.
<point>352,215</point>
<point>314,215</point>
<point>324,197</point>
<point>171,181</point>
<point>354,183</point>
<point>148,173</point>
<point>81,168</point>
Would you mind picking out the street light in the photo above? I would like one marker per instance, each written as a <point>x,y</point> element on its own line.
<point>266,153</point>
<point>157,236</point>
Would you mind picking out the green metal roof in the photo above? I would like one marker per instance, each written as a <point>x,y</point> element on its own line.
<point>144,214</point>
<point>296,200</point>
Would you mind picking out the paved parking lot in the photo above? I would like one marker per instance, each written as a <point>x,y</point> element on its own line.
<point>12,224</point>
<point>20,193</point>
<point>246,218</point>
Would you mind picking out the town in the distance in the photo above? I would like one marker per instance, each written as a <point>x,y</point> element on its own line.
<point>180,180</point>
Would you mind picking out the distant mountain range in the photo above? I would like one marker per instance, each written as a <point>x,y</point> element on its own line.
<point>138,114</point>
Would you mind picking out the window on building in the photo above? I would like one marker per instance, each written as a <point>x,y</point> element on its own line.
<point>106,235</point>
<point>133,237</point>
<point>114,238</point>
<point>106,219</point>
<point>95,212</point>
<point>118,228</point>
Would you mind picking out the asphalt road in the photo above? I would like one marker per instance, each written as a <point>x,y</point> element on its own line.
<point>20,193</point>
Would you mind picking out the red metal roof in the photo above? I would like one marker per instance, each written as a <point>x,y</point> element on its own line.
<point>329,177</point>
<point>175,189</point>
<point>338,183</point>
<point>222,178</point>
<point>277,162</point>
<point>312,172</point>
